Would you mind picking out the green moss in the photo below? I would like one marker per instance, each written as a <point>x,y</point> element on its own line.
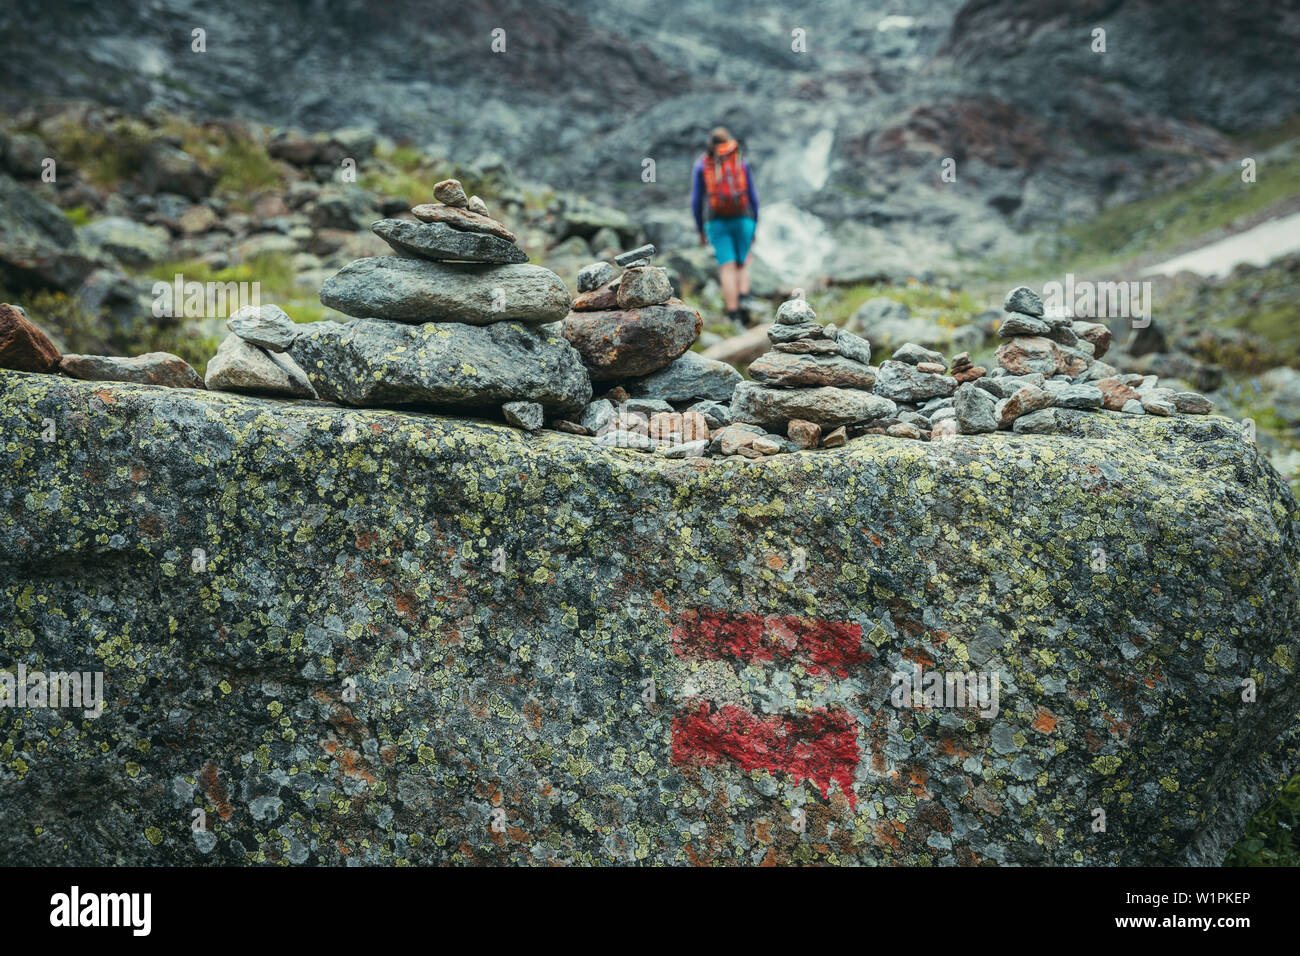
<point>1270,838</point>
<point>104,157</point>
<point>948,306</point>
<point>77,215</point>
<point>238,160</point>
<point>275,278</point>
<point>406,172</point>
<point>244,168</point>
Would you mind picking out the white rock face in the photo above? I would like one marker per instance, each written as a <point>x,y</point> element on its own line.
<point>240,366</point>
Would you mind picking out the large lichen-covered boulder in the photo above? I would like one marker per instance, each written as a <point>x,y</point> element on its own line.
<point>367,636</point>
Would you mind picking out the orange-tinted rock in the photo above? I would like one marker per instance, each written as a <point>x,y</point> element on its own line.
<point>1031,398</point>
<point>734,439</point>
<point>573,428</point>
<point>1096,333</point>
<point>152,368</point>
<point>1028,354</point>
<point>694,426</point>
<point>23,346</point>
<point>601,299</point>
<point>903,430</point>
<point>1115,394</point>
<point>663,424</point>
<point>805,434</point>
<point>836,438</point>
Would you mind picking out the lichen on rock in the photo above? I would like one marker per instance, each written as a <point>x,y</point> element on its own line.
<point>372,636</point>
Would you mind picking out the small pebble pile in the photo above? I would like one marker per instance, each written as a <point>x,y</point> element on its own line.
<point>1054,362</point>
<point>457,320</point>
<point>814,382</point>
<point>816,387</point>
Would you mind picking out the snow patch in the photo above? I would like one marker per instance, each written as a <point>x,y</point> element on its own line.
<point>1258,246</point>
<point>895,22</point>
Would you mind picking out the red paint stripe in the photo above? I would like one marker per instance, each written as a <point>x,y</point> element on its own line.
<point>821,746</point>
<point>823,647</point>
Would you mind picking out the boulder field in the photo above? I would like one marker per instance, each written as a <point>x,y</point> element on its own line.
<point>367,636</point>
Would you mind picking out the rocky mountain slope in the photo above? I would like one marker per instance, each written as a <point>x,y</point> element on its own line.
<point>846,132</point>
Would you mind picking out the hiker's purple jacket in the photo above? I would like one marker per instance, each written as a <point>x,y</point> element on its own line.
<point>700,200</point>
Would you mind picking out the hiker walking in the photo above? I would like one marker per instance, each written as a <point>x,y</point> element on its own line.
<point>725,205</point>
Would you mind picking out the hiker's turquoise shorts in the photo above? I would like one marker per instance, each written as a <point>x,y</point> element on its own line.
<point>731,238</point>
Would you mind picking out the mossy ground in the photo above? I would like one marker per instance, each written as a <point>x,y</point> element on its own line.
<point>1171,219</point>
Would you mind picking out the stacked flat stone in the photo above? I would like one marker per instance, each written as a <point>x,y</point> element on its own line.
<point>815,379</point>
<point>1050,369</point>
<point>634,336</point>
<point>964,370</point>
<point>454,321</point>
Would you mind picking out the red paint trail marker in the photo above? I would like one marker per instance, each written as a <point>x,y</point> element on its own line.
<point>821,746</point>
<point>831,648</point>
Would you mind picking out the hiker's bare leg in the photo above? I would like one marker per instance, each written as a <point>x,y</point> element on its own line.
<point>742,278</point>
<point>727,278</point>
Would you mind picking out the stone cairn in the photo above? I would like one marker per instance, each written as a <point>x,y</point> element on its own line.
<point>454,320</point>
<point>816,387</point>
<point>457,320</point>
<point>814,382</point>
<point>634,337</point>
<point>1049,363</point>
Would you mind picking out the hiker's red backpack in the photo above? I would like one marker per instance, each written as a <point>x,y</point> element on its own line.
<point>725,181</point>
